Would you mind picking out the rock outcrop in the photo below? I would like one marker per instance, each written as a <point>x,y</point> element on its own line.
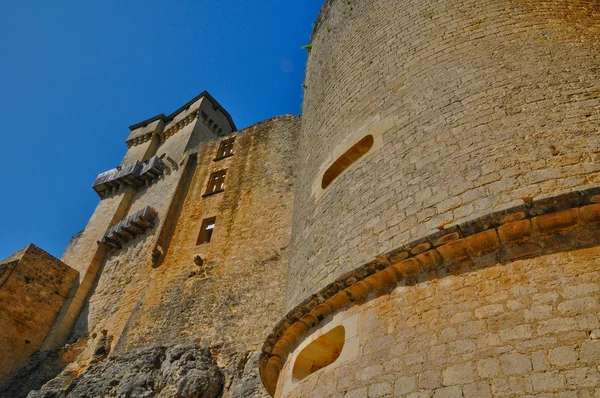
<point>180,371</point>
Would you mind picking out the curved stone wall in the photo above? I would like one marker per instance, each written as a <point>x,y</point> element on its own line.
<point>528,328</point>
<point>478,106</point>
<point>538,230</point>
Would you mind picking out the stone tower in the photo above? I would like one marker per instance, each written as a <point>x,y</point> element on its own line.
<point>173,285</point>
<point>445,236</point>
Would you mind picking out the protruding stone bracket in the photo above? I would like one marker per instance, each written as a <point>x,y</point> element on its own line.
<point>129,228</point>
<point>136,174</point>
<point>566,222</point>
<point>179,125</point>
<point>140,140</point>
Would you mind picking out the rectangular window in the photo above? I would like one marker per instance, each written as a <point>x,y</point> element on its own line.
<point>206,230</point>
<point>225,149</point>
<point>216,182</point>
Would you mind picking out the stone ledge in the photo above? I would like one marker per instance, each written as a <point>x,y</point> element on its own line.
<point>565,222</point>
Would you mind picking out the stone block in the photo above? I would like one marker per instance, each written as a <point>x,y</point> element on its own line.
<point>358,291</point>
<point>444,236</point>
<point>514,250</point>
<point>480,389</point>
<point>475,226</point>
<point>547,381</point>
<point>514,231</point>
<point>404,385</point>
<point>590,215</point>
<point>448,392</point>
<point>489,310</point>
<point>554,222</point>
<point>539,361</point>
<point>380,390</point>
<point>564,355</point>
<point>580,290</point>
<point>516,333</point>
<point>512,386</point>
<point>582,377</point>
<point>510,215</point>
<point>488,368</point>
<point>513,364</point>
<point>430,379</point>
<point>590,352</point>
<point>578,306</point>
<point>357,393</point>
<point>428,259</point>
<point>382,278</point>
<point>458,374</point>
<point>483,242</point>
<point>453,251</point>
<point>554,204</point>
<point>408,268</point>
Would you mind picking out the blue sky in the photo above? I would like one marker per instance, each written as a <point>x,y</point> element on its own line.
<point>75,74</point>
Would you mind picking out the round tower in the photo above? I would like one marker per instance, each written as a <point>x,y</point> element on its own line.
<point>445,222</point>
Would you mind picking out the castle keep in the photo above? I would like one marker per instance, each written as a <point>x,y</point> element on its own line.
<point>429,227</point>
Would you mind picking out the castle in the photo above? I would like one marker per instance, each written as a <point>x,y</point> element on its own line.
<point>429,227</point>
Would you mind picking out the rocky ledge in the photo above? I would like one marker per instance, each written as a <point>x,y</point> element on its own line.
<point>180,371</point>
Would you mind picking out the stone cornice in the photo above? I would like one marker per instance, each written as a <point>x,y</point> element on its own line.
<point>172,116</point>
<point>139,140</point>
<point>180,125</point>
<point>565,222</point>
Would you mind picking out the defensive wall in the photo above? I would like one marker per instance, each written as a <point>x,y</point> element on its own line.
<point>33,288</point>
<point>150,278</point>
<point>426,123</point>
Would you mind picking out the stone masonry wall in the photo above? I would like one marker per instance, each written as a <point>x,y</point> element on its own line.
<point>125,272</point>
<point>526,329</point>
<point>231,301</point>
<point>480,104</point>
<point>33,288</point>
<point>228,303</point>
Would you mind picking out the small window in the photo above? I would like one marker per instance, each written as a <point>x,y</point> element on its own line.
<point>226,148</point>
<point>322,352</point>
<point>343,162</point>
<point>206,231</point>
<point>216,182</point>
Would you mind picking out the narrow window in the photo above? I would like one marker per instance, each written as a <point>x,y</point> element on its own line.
<point>226,148</point>
<point>322,352</point>
<point>206,231</point>
<point>216,182</point>
<point>343,162</point>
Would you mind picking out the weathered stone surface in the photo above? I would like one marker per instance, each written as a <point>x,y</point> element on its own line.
<point>180,371</point>
<point>476,122</point>
<point>493,331</point>
<point>33,288</point>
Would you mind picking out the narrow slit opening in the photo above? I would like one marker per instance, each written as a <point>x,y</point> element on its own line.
<point>347,159</point>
